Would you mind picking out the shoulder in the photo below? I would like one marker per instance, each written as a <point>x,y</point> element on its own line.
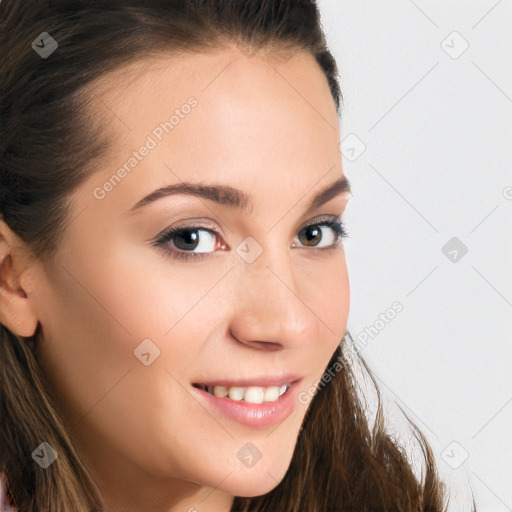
<point>6,504</point>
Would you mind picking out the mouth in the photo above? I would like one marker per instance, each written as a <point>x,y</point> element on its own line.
<point>249,394</point>
<point>255,403</point>
<point>253,391</point>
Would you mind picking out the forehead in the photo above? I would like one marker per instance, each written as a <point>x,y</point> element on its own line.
<point>254,120</point>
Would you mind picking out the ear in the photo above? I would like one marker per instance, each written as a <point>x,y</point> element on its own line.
<point>16,309</point>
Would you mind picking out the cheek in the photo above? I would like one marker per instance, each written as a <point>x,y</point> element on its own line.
<point>97,317</point>
<point>109,397</point>
<point>334,297</point>
<point>84,349</point>
<point>326,292</point>
<point>329,301</point>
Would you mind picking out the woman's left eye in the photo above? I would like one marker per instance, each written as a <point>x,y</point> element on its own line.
<point>179,242</point>
<point>313,233</point>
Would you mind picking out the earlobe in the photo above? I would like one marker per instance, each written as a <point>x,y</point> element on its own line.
<point>16,313</point>
<point>16,310</point>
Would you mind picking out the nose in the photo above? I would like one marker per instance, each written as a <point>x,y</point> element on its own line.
<point>270,309</point>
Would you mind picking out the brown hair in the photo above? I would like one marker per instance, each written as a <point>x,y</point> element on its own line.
<point>49,145</point>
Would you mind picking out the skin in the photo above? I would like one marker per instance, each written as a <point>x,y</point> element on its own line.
<point>264,125</point>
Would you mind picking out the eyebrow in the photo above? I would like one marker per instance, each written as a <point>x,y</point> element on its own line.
<point>229,196</point>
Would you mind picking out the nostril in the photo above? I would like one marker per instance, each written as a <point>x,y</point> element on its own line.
<point>269,346</point>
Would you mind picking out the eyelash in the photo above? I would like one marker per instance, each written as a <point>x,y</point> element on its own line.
<point>166,236</point>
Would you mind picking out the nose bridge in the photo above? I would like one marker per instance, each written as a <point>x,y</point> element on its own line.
<point>268,305</point>
<point>268,266</point>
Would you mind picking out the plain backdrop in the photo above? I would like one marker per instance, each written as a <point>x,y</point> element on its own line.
<point>427,146</point>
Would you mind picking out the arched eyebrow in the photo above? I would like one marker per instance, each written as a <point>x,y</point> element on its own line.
<point>233,197</point>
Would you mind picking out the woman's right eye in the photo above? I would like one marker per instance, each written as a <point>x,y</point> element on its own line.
<point>183,240</point>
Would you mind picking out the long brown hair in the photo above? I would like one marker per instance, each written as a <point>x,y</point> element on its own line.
<point>49,145</point>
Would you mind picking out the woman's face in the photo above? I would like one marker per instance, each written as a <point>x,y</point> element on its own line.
<point>128,326</point>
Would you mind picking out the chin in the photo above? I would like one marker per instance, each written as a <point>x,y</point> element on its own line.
<point>249,485</point>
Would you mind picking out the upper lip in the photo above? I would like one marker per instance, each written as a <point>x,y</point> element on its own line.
<point>264,380</point>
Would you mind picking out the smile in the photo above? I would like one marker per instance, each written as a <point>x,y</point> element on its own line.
<point>257,402</point>
<point>250,394</point>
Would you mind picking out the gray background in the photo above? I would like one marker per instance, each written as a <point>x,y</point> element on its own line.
<point>429,159</point>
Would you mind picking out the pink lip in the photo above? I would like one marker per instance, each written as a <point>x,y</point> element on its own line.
<point>264,381</point>
<point>261,415</point>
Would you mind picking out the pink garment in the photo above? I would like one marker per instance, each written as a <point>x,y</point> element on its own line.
<point>6,504</point>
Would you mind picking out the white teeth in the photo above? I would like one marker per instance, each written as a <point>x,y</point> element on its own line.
<point>250,394</point>
<point>220,391</point>
<point>271,394</point>
<point>254,395</point>
<point>235,393</point>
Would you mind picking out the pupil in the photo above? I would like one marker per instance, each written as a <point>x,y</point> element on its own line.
<point>189,237</point>
<point>312,233</point>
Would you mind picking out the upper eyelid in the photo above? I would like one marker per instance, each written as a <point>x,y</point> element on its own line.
<point>203,225</point>
<point>160,239</point>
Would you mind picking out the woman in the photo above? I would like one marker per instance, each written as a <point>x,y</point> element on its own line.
<point>174,287</point>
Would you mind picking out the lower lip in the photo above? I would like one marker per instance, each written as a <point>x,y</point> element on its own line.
<point>261,415</point>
